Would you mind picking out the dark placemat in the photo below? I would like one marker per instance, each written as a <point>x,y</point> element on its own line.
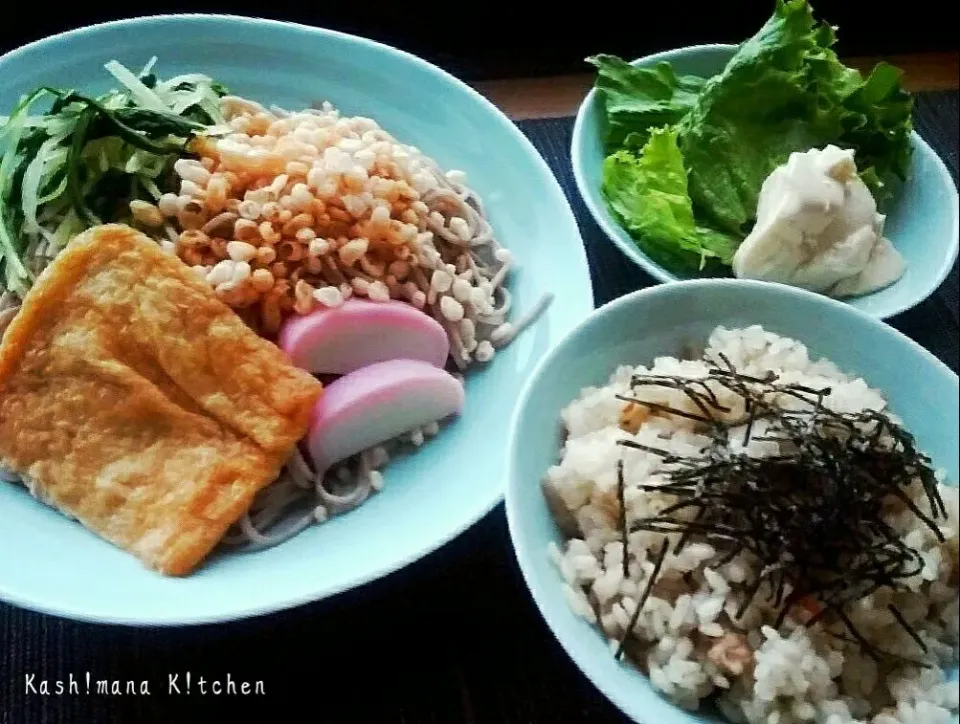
<point>452,638</point>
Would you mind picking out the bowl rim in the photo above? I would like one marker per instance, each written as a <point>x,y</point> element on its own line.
<point>283,603</point>
<point>522,553</point>
<point>612,230</point>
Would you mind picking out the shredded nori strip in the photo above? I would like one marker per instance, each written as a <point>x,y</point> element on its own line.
<point>882,653</point>
<point>623,519</point>
<point>658,562</point>
<point>812,516</point>
<point>907,627</point>
<point>671,410</point>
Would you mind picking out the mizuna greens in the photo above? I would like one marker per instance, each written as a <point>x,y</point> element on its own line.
<point>83,160</point>
<point>784,90</point>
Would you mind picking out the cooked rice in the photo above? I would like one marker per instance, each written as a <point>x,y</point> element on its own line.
<point>686,638</point>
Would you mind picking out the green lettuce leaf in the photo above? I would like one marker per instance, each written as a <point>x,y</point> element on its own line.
<point>877,122</point>
<point>688,195</point>
<point>647,192</point>
<point>636,100</point>
<point>785,90</point>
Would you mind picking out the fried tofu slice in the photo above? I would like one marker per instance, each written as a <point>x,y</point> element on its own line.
<point>136,402</point>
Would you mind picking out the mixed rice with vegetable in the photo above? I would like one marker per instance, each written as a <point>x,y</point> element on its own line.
<point>717,621</point>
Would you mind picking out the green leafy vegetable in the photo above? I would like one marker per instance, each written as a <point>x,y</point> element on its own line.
<point>648,193</point>
<point>74,166</point>
<point>81,162</point>
<point>12,166</point>
<point>636,100</point>
<point>139,127</point>
<point>784,90</point>
<point>877,123</point>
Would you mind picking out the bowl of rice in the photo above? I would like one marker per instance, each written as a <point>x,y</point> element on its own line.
<point>736,502</point>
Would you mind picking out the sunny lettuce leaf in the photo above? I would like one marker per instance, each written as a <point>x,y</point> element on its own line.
<point>690,195</point>
<point>877,123</point>
<point>786,90</point>
<point>647,192</point>
<point>636,100</point>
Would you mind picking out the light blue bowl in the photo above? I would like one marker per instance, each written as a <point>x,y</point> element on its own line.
<point>54,565</point>
<point>664,320</point>
<point>923,224</point>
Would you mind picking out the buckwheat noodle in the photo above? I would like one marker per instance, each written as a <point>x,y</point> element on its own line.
<point>301,496</point>
<point>318,496</point>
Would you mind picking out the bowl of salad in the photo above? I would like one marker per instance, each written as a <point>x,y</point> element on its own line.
<point>770,160</point>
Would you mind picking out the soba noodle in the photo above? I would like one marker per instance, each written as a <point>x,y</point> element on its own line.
<point>317,496</point>
<point>302,496</point>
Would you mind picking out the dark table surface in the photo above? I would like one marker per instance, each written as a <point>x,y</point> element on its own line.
<point>520,38</point>
<point>454,637</point>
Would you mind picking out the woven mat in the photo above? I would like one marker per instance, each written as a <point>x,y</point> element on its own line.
<point>451,638</point>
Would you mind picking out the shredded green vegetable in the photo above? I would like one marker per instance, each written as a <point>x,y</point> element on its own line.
<point>785,90</point>
<point>80,162</point>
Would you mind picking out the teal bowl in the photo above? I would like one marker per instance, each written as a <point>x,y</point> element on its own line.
<point>664,320</point>
<point>430,496</point>
<point>923,223</point>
